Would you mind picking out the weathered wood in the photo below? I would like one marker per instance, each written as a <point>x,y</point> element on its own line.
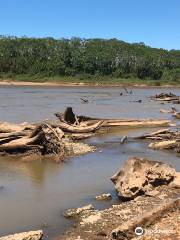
<point>163,144</point>
<point>79,136</point>
<point>13,134</point>
<point>78,129</point>
<point>153,134</point>
<point>137,123</point>
<point>126,230</point>
<point>6,127</point>
<point>23,142</point>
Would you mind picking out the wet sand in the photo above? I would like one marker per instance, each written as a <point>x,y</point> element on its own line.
<point>79,84</point>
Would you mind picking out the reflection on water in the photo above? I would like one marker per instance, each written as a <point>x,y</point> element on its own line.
<point>36,193</point>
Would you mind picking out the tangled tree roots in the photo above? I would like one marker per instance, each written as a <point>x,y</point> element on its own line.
<point>60,138</point>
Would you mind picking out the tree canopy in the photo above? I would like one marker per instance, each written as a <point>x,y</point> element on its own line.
<point>69,57</point>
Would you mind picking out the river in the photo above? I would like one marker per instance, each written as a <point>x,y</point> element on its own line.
<point>35,194</point>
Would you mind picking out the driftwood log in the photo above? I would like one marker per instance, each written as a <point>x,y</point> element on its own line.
<point>54,138</point>
<point>127,230</point>
<point>162,139</point>
<point>83,121</point>
<point>166,97</point>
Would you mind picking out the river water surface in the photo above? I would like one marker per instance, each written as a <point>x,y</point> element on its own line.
<point>35,194</point>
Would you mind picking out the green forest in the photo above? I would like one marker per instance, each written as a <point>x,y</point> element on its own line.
<point>86,59</point>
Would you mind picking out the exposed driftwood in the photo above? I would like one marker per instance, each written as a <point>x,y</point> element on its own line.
<point>168,144</point>
<point>85,121</point>
<point>166,111</point>
<point>166,97</point>
<point>162,139</point>
<point>54,138</point>
<point>175,113</point>
<point>6,127</point>
<point>126,230</point>
<point>79,129</point>
<point>79,136</point>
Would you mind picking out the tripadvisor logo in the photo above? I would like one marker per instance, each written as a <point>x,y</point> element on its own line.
<point>139,231</point>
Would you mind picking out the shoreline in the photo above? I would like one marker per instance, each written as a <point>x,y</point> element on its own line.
<point>80,84</point>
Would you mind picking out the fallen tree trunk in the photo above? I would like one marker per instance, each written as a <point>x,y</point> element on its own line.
<point>169,144</point>
<point>85,121</point>
<point>79,129</point>
<point>137,123</point>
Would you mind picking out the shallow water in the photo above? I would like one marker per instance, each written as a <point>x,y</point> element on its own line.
<point>35,194</point>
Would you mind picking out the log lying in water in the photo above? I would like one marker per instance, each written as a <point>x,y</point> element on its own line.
<point>80,129</point>
<point>82,122</point>
<point>163,139</point>
<point>55,138</point>
<point>166,97</point>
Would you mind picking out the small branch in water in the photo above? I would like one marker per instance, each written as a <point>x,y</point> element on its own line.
<point>84,100</point>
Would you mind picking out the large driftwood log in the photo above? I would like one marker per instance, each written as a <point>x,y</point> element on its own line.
<point>79,129</point>
<point>169,144</point>
<point>84,121</point>
<point>127,230</point>
<point>137,123</point>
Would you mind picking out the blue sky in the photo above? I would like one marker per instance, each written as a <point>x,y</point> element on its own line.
<point>154,22</point>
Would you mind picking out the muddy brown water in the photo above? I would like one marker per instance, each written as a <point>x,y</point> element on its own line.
<point>35,194</point>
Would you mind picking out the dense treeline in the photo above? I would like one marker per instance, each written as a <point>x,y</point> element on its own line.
<point>87,57</point>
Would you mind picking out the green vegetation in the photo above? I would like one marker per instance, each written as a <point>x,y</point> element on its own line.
<point>86,60</point>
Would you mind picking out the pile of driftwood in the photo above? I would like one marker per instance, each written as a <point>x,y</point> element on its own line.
<point>57,138</point>
<point>40,139</point>
<point>167,97</point>
<point>163,139</point>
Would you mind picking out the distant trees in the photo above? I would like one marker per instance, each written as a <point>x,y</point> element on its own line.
<point>66,57</point>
